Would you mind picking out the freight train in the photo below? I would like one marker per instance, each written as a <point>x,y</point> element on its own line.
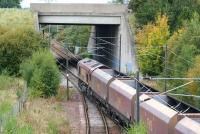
<point>115,93</point>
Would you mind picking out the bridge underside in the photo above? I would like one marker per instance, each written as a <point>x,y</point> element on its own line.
<point>79,19</point>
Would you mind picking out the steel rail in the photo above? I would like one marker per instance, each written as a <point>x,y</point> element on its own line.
<point>104,121</point>
<point>72,79</point>
<point>86,115</point>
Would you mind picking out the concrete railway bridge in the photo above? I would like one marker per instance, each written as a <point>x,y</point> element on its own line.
<point>110,30</point>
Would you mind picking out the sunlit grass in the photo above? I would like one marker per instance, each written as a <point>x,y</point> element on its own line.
<point>10,87</point>
<point>16,17</point>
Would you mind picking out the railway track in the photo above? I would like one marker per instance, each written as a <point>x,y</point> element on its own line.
<point>96,122</point>
<point>91,110</point>
<point>104,121</point>
<point>86,115</point>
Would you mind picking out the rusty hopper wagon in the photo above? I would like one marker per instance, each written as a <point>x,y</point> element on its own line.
<point>115,93</point>
<point>187,126</point>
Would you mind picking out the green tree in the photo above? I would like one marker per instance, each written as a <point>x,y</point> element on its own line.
<point>16,45</point>
<point>150,40</point>
<point>177,10</point>
<point>182,62</point>
<point>185,48</point>
<point>10,3</point>
<point>146,10</point>
<point>75,36</point>
<point>18,38</point>
<point>180,11</point>
<point>41,73</point>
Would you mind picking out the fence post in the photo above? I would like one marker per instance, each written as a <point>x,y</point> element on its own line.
<point>16,108</point>
<point>67,86</point>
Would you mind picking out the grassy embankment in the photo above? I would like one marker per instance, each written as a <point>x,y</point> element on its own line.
<point>40,115</point>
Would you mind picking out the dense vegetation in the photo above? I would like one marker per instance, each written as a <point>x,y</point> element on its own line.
<point>171,23</point>
<point>41,73</point>
<point>151,38</point>
<point>24,53</point>
<point>10,3</point>
<point>74,36</point>
<point>18,39</point>
<point>177,10</point>
<point>10,90</point>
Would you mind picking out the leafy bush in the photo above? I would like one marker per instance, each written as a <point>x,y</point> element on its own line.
<point>75,35</point>
<point>137,129</point>
<point>41,74</point>
<point>16,45</point>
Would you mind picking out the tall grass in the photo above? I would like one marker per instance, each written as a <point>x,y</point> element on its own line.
<point>53,127</point>
<point>5,107</point>
<point>7,82</point>
<point>16,17</point>
<point>13,126</point>
<point>46,116</point>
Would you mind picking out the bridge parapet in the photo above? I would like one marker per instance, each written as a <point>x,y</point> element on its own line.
<point>79,8</point>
